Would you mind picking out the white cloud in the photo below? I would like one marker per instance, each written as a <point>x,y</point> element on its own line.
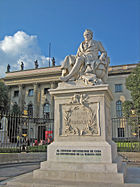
<point>17,48</point>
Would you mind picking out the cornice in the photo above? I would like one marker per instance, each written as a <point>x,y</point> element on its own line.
<point>52,74</point>
<point>33,80</point>
<point>33,72</point>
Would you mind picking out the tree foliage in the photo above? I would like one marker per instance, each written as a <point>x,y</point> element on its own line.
<point>4,100</point>
<point>127,108</point>
<point>133,84</point>
<point>15,109</point>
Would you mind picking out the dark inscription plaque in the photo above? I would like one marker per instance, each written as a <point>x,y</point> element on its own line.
<point>68,152</point>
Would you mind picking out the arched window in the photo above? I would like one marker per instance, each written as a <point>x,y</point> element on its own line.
<point>30,110</point>
<point>46,110</point>
<point>119,108</point>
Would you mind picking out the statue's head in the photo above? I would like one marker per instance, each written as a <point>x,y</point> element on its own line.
<point>88,34</point>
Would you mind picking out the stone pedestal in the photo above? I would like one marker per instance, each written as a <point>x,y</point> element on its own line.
<point>83,149</point>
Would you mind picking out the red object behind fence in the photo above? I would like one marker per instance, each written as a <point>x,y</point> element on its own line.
<point>48,134</point>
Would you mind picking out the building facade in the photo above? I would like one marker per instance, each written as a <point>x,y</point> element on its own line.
<point>29,89</point>
<point>116,81</point>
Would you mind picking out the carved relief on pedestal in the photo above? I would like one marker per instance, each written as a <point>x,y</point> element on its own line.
<point>80,117</point>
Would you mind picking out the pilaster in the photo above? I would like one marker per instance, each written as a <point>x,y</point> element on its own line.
<point>53,86</point>
<point>35,113</point>
<point>20,97</point>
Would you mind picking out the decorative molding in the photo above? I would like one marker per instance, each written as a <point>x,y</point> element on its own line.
<point>87,124</point>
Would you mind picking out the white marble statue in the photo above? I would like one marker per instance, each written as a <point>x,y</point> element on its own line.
<point>90,63</point>
<point>4,131</point>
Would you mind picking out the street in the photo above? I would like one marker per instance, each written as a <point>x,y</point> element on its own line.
<point>8,171</point>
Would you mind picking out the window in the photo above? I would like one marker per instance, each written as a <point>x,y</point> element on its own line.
<point>46,91</point>
<point>30,92</point>
<point>41,132</point>
<point>119,108</point>
<point>118,87</point>
<point>30,110</point>
<point>16,93</point>
<point>46,110</point>
<point>120,132</point>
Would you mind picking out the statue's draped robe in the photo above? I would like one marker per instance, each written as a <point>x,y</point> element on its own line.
<point>89,51</point>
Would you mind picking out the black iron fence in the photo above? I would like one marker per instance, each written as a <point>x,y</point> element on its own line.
<point>24,133</point>
<point>126,133</point>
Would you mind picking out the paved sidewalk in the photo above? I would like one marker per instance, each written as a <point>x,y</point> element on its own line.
<point>22,157</point>
<point>8,171</point>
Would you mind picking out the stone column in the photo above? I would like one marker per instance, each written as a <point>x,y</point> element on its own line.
<point>38,100</point>
<point>52,102</point>
<point>20,98</point>
<point>23,97</point>
<point>35,114</point>
<point>10,97</point>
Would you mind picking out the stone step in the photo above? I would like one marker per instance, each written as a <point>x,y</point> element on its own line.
<point>78,176</point>
<point>27,180</point>
<point>90,167</point>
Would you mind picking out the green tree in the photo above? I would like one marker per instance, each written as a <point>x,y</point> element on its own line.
<point>15,109</point>
<point>133,84</point>
<point>4,99</point>
<point>127,108</point>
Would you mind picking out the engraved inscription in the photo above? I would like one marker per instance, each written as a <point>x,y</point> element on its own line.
<point>69,152</point>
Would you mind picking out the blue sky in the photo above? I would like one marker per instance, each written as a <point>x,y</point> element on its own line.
<point>28,26</point>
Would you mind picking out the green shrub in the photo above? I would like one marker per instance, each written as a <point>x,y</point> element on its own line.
<point>10,150</point>
<point>39,148</point>
<point>128,146</point>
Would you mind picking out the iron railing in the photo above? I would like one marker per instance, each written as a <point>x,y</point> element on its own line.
<point>33,134</point>
<point>126,133</point>
<point>24,131</point>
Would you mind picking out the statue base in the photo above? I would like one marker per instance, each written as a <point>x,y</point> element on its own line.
<point>83,149</point>
<point>89,162</point>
